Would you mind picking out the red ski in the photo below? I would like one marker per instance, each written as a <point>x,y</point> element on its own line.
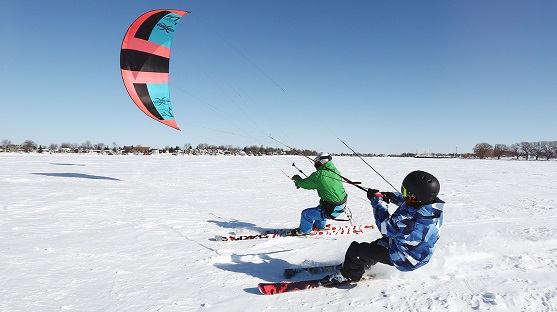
<point>282,287</point>
<point>328,231</point>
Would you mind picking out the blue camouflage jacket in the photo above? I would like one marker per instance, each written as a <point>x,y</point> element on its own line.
<point>412,233</point>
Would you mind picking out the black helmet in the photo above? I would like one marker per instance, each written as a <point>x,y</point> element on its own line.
<point>421,185</point>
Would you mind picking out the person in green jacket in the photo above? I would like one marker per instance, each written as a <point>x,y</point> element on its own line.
<point>332,196</point>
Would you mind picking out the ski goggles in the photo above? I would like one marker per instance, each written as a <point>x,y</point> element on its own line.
<point>409,197</point>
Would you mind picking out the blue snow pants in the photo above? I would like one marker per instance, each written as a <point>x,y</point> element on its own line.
<point>315,218</point>
<point>312,217</point>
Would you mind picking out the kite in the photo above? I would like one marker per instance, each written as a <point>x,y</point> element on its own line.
<point>144,63</point>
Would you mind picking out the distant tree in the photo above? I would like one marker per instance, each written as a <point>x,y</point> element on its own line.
<point>552,148</point>
<point>483,150</point>
<point>514,149</point>
<point>202,146</point>
<point>526,148</point>
<point>6,144</point>
<point>500,150</point>
<point>548,149</point>
<point>98,146</point>
<point>53,147</point>
<point>29,146</point>
<point>87,146</point>
<point>536,149</point>
<point>253,150</point>
<point>75,147</point>
<point>543,148</point>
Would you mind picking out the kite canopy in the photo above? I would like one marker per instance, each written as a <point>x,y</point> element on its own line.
<point>144,62</point>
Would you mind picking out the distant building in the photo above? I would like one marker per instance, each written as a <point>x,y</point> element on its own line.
<point>136,149</point>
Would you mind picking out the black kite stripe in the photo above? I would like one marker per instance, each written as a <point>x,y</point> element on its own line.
<point>143,93</point>
<point>140,61</point>
<point>144,31</point>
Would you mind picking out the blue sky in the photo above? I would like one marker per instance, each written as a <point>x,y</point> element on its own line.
<point>384,76</point>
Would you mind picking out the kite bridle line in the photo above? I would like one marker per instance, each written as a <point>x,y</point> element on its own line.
<point>368,164</point>
<point>302,154</point>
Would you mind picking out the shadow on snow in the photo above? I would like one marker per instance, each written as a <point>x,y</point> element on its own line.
<point>77,175</point>
<point>243,226</point>
<point>259,265</point>
<point>64,164</point>
<point>265,268</point>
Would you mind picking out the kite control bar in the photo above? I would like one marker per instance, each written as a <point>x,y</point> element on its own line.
<point>300,170</point>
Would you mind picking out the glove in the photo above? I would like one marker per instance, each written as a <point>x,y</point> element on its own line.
<point>296,177</point>
<point>371,193</point>
<point>388,196</point>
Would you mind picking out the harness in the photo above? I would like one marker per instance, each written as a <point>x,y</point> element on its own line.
<point>331,210</point>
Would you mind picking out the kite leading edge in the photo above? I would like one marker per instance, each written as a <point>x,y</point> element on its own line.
<point>144,63</point>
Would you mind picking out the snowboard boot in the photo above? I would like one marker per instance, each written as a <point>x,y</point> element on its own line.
<point>334,279</point>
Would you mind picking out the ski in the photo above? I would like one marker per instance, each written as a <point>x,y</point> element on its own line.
<point>328,231</point>
<point>282,287</point>
<point>291,272</point>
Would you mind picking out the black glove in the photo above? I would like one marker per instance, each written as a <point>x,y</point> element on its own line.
<point>388,196</point>
<point>371,193</point>
<point>294,178</point>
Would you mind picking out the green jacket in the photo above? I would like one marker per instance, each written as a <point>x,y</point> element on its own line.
<point>326,181</point>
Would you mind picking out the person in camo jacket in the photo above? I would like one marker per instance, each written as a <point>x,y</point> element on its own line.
<point>408,235</point>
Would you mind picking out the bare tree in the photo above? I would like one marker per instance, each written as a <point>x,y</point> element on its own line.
<point>6,144</point>
<point>500,150</point>
<point>536,149</point>
<point>483,150</point>
<point>87,145</point>
<point>53,147</point>
<point>526,148</point>
<point>29,145</point>
<point>514,149</point>
<point>544,149</point>
<point>552,148</point>
<point>75,147</point>
<point>201,146</point>
<point>548,149</point>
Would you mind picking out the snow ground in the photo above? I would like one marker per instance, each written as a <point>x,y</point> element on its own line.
<point>135,233</point>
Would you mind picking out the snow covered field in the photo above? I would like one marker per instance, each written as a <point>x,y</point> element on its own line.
<point>135,233</point>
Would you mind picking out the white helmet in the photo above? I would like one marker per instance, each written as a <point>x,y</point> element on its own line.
<point>322,158</point>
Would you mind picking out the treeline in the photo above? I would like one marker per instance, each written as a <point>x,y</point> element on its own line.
<point>543,149</point>
<point>251,150</point>
<point>29,146</point>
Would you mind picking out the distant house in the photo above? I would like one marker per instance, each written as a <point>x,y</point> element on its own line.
<point>136,149</point>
